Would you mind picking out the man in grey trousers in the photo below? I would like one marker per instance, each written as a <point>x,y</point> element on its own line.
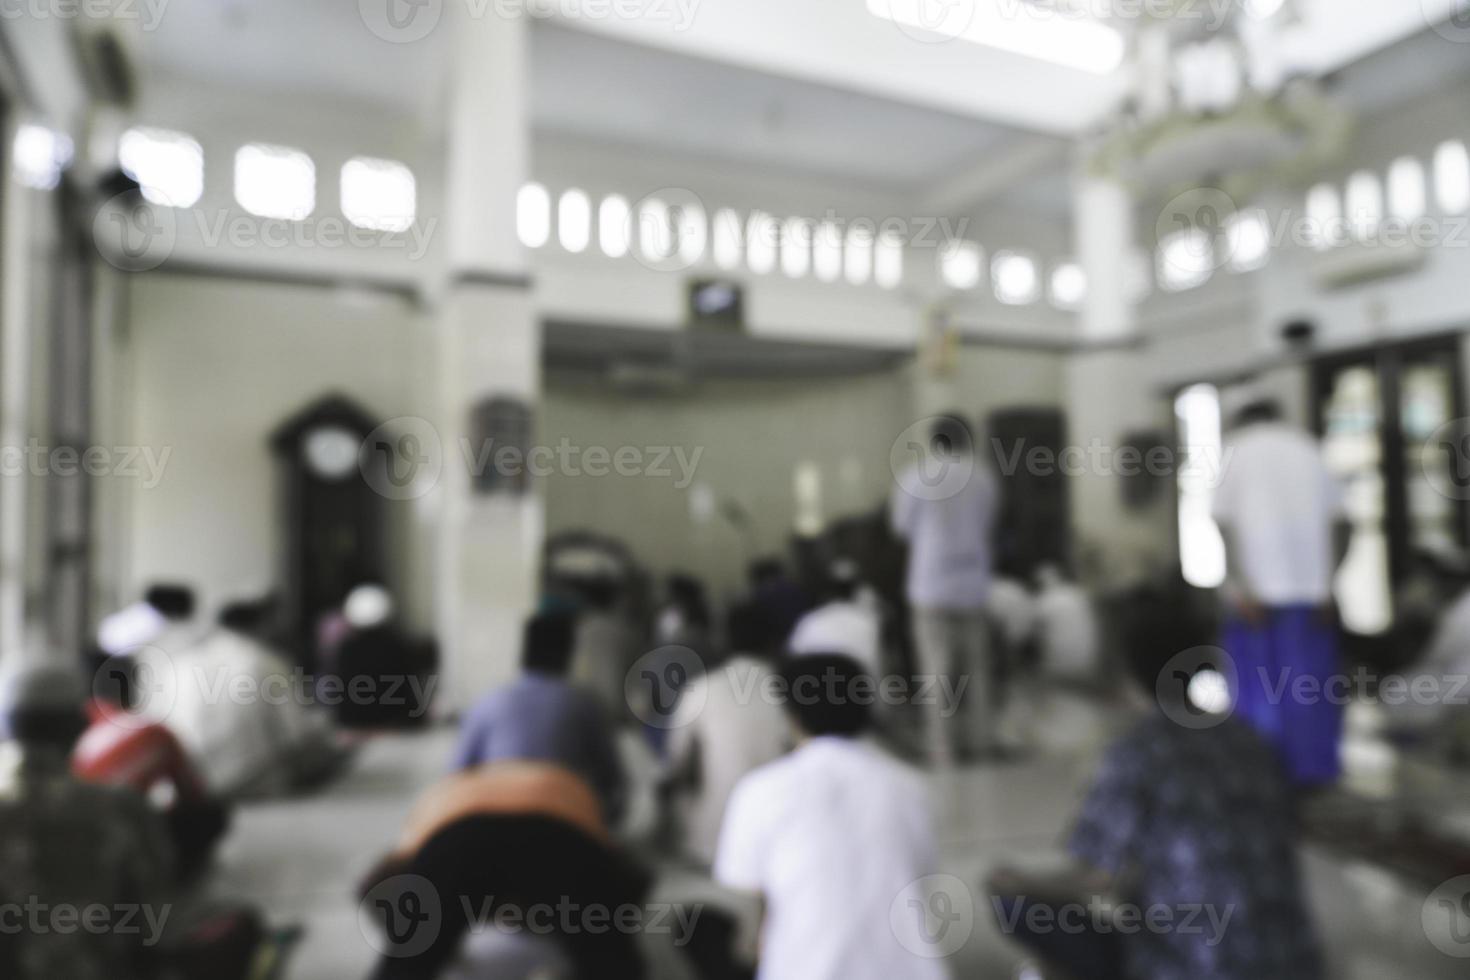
<point>944,506</point>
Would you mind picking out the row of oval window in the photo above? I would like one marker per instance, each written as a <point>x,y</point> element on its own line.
<point>1363,206</point>
<point>677,236</point>
<point>1188,258</point>
<point>280,182</point>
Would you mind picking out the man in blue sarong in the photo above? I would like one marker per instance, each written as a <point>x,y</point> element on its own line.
<point>1280,511</point>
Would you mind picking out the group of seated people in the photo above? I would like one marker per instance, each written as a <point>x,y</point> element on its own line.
<point>776,783</point>
<point>776,778</point>
<point>118,780</point>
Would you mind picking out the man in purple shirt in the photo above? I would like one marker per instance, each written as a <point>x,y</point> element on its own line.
<point>543,717</point>
<point>944,507</point>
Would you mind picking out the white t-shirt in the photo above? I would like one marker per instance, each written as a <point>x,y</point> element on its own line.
<point>1277,500</point>
<point>832,836</point>
<point>727,718</point>
<point>849,628</point>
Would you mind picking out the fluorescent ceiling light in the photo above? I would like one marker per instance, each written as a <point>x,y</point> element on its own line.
<point>1067,39</point>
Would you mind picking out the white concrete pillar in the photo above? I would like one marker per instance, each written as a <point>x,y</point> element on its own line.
<point>1103,228</point>
<point>16,245</point>
<point>1108,390</point>
<point>489,545</point>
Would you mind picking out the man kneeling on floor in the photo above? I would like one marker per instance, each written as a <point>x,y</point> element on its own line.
<point>504,853</point>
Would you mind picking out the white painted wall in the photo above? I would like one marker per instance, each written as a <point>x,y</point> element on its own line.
<point>216,366</point>
<point>750,437</point>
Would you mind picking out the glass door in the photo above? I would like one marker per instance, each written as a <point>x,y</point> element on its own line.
<point>1352,423</point>
<point>1379,413</point>
<point>1428,404</point>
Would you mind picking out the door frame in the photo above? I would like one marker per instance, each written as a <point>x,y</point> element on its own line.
<point>1388,360</point>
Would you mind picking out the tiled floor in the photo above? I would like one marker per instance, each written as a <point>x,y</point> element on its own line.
<point>300,858</point>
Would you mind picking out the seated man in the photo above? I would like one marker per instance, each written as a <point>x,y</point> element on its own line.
<point>379,655</point>
<point>72,844</point>
<point>843,624</point>
<point>123,749</point>
<point>508,835</point>
<point>1190,815</point>
<point>544,717</point>
<point>721,730</point>
<point>260,742</point>
<point>829,837</point>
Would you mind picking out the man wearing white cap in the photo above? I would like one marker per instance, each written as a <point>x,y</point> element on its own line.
<point>1279,509</point>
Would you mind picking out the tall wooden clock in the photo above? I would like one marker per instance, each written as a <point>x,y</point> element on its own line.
<point>332,519</point>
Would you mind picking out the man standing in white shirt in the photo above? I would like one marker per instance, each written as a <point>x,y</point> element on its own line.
<point>1279,509</point>
<point>844,624</point>
<point>944,507</point>
<point>829,838</point>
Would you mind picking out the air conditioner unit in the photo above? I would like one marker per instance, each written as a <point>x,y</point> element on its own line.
<point>1360,262</point>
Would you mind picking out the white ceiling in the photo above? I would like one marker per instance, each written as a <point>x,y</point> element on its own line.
<point>817,86</point>
<point>300,48</point>
<point>592,86</point>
